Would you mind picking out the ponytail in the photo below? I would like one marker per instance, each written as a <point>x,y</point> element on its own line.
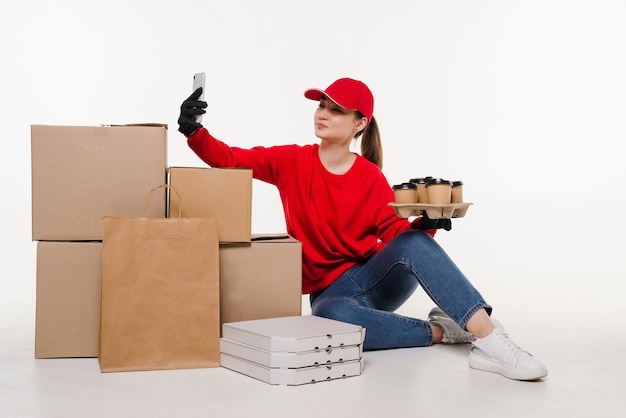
<point>371,146</point>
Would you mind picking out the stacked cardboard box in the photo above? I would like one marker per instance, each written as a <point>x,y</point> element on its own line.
<point>261,279</point>
<point>223,194</point>
<point>79,175</point>
<point>68,299</point>
<point>293,350</point>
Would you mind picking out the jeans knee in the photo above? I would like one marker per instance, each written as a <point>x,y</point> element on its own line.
<point>337,308</point>
<point>411,239</point>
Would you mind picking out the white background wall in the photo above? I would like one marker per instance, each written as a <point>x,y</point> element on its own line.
<point>522,100</point>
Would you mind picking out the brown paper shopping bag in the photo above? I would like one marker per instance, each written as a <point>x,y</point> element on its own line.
<point>160,293</point>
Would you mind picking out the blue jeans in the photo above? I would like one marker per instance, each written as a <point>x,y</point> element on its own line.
<point>369,293</point>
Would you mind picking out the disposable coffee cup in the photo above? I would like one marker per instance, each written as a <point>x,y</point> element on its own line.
<point>457,191</point>
<point>405,193</point>
<point>439,191</point>
<point>422,194</point>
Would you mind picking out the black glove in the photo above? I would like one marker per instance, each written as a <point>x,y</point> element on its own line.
<point>426,223</point>
<point>191,108</point>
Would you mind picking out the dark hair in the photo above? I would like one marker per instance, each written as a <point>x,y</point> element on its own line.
<point>371,147</point>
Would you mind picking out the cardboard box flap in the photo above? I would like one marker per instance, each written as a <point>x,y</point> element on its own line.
<point>271,237</point>
<point>147,124</point>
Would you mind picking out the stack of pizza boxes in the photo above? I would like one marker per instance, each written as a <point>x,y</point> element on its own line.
<point>293,350</point>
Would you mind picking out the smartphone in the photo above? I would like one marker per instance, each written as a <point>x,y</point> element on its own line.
<point>198,81</point>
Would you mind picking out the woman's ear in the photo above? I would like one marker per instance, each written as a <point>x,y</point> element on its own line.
<point>361,124</point>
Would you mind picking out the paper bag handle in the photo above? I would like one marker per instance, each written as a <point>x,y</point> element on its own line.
<point>164,186</point>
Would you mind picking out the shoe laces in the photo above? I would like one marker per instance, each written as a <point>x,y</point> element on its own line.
<point>509,344</point>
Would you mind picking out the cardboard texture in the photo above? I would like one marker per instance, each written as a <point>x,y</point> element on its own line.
<point>68,299</point>
<point>160,294</point>
<point>223,194</point>
<point>262,279</point>
<point>82,173</point>
<point>434,211</point>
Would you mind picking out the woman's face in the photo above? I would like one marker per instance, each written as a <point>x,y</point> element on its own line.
<point>336,123</point>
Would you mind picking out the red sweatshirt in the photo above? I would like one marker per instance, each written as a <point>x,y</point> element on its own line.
<point>341,220</point>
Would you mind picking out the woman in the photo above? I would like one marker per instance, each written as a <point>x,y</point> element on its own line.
<point>361,261</point>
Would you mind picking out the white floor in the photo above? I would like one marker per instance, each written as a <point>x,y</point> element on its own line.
<point>581,338</point>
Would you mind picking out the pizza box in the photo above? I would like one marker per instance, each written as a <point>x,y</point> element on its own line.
<point>292,376</point>
<point>322,356</point>
<point>294,334</point>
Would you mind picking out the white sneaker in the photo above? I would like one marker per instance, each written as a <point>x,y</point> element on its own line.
<point>452,332</point>
<point>497,353</point>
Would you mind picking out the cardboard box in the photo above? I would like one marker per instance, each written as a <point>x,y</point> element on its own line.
<point>223,194</point>
<point>82,173</point>
<point>261,279</point>
<point>68,299</point>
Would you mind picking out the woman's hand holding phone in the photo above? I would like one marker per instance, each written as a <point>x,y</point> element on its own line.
<point>192,109</point>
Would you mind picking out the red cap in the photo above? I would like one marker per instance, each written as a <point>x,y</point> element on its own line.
<point>348,93</point>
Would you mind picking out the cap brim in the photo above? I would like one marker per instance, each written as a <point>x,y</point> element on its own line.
<point>314,94</point>
<point>317,94</point>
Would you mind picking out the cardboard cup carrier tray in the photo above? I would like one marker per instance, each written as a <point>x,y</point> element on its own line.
<point>293,350</point>
<point>451,210</point>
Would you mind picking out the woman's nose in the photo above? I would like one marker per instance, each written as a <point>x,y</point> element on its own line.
<point>322,113</point>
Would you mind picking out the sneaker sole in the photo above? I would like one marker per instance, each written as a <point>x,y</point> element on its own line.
<point>484,364</point>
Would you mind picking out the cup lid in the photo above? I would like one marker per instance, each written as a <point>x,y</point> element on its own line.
<point>457,183</point>
<point>404,186</point>
<point>438,181</point>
